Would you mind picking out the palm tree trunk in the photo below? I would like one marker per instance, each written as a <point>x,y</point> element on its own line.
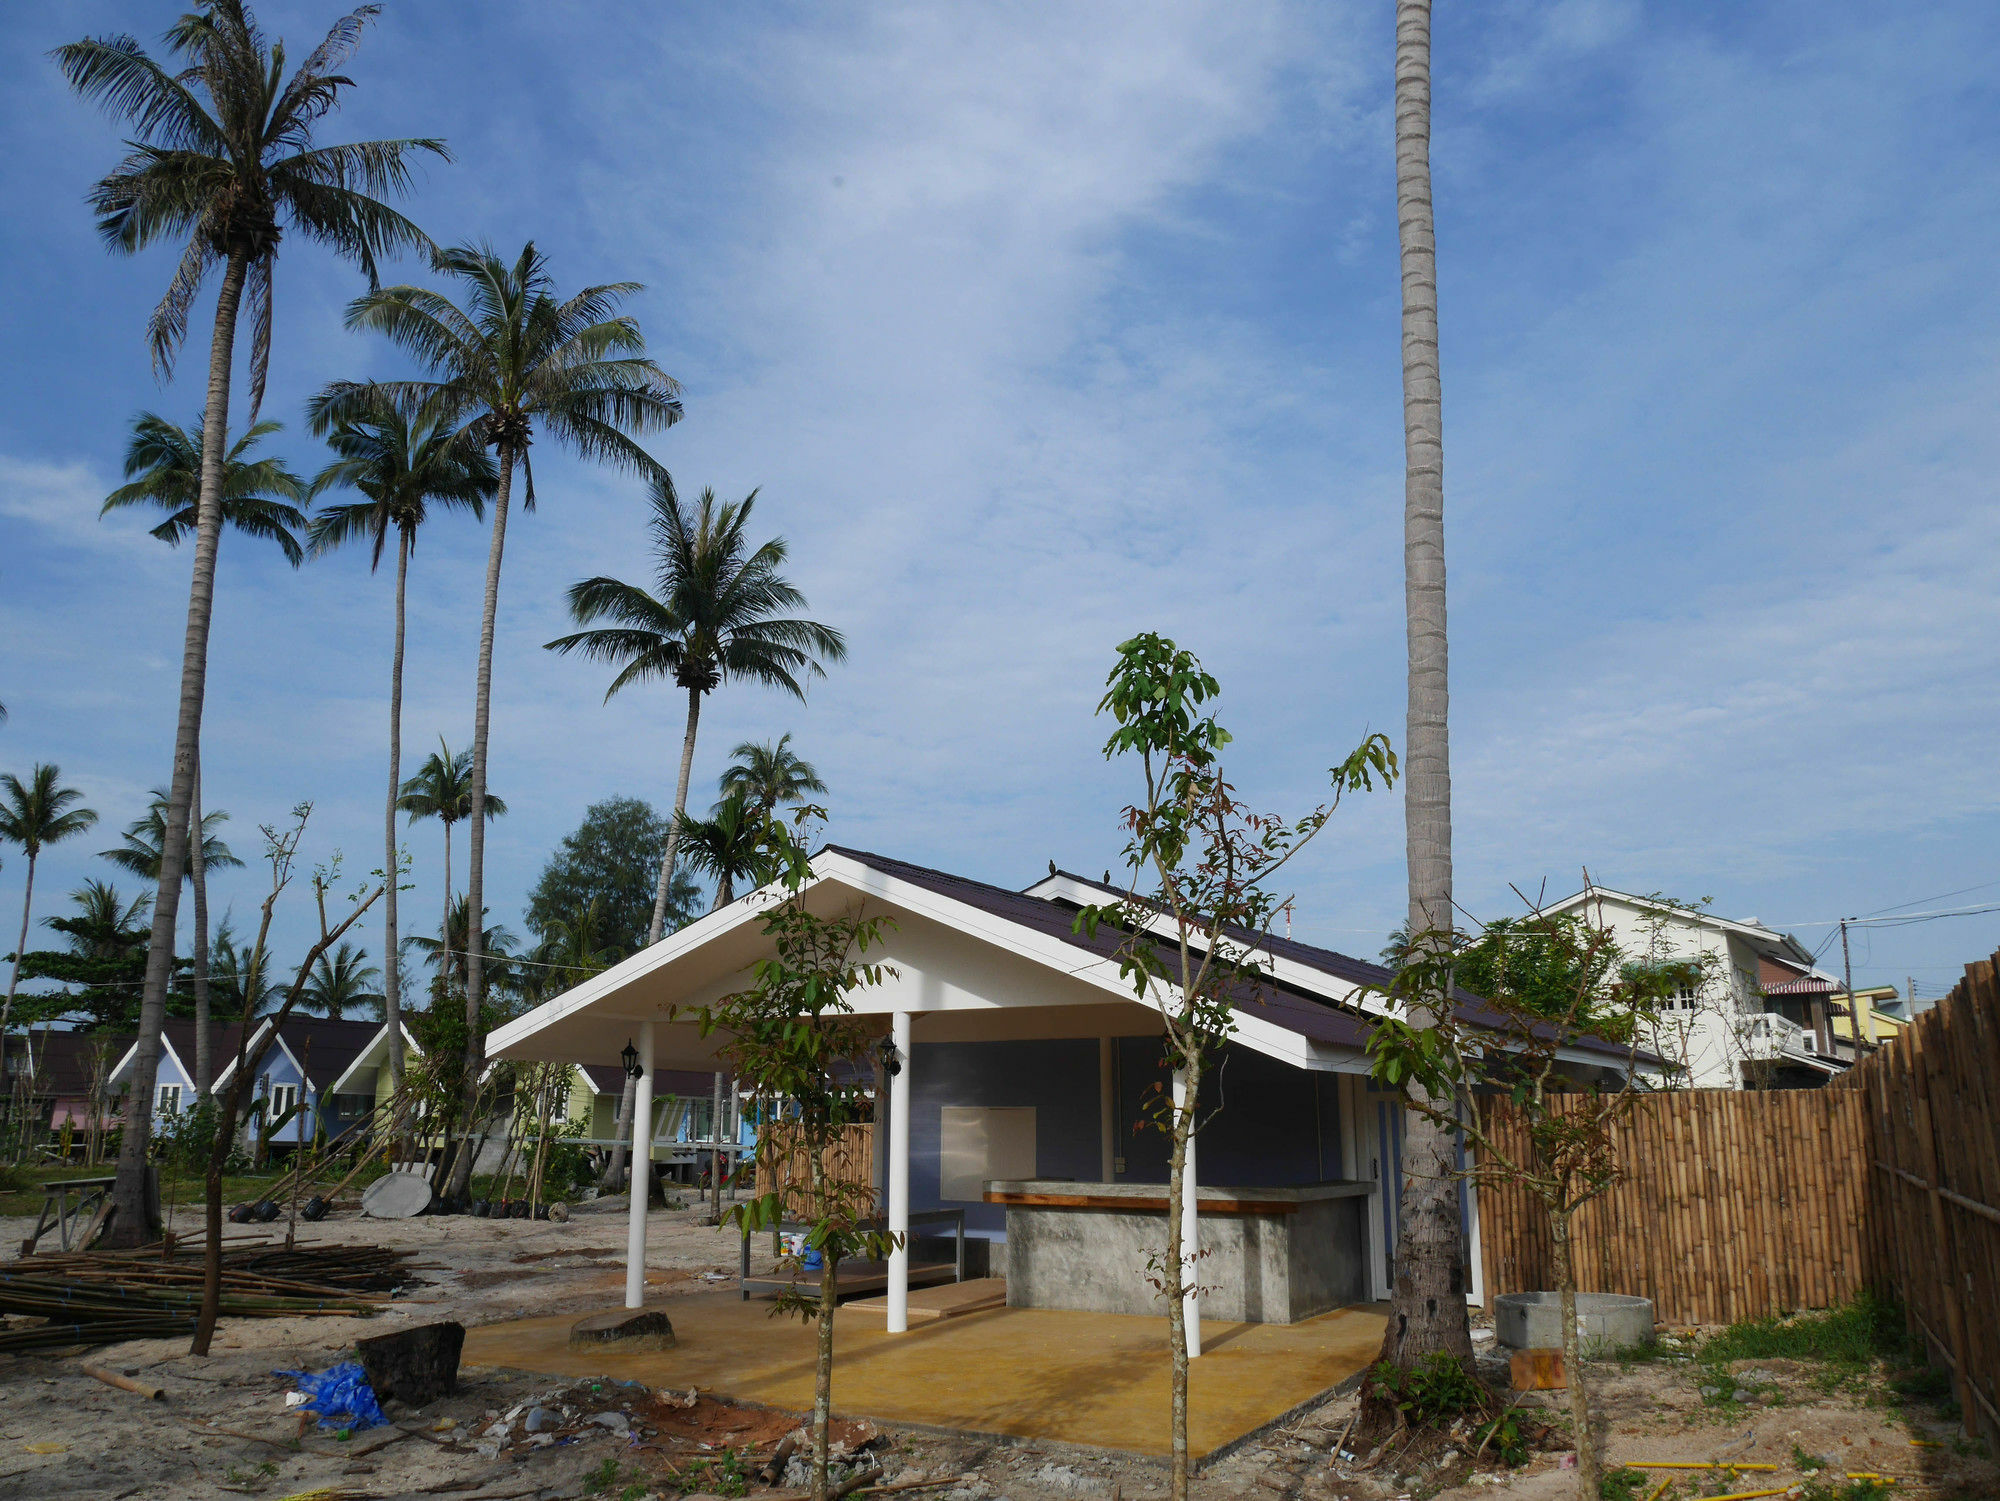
<point>475,857</point>
<point>622,1132</point>
<point>129,1225</point>
<point>1428,1299</point>
<point>444,928</point>
<point>204,1046</point>
<point>674,829</point>
<point>392,989</point>
<point>14,980</point>
<point>614,1167</point>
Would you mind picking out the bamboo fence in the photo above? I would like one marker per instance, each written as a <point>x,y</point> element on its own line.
<point>1733,1205</point>
<point>1933,1169</point>
<point>1755,1204</point>
<point>781,1161</point>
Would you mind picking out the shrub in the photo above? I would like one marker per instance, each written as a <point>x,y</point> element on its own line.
<point>1433,1391</point>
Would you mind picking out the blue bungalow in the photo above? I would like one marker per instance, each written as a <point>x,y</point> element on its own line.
<point>173,1084</point>
<point>296,1067</point>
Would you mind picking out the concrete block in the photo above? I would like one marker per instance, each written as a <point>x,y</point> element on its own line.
<point>1606,1322</point>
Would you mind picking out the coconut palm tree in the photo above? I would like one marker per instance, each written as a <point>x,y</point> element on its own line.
<point>771,775</point>
<point>342,981</point>
<point>241,978</point>
<point>260,497</point>
<point>715,614</point>
<point>517,360</point>
<point>724,844</point>
<point>222,161</point>
<point>1429,1300</point>
<point>403,467</point>
<point>139,852</point>
<point>34,815</point>
<point>139,846</point>
<point>442,789</point>
<point>572,949</point>
<point>448,956</point>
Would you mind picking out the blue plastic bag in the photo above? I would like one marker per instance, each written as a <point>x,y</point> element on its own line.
<point>341,1396</point>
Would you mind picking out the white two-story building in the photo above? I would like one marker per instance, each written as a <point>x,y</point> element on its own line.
<point>1762,1016</point>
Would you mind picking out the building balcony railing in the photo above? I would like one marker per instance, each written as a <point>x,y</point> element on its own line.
<point>1769,1035</point>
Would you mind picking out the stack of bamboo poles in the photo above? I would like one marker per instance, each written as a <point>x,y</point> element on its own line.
<point>101,1297</point>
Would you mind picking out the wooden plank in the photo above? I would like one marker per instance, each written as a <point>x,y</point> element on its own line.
<point>951,1301</point>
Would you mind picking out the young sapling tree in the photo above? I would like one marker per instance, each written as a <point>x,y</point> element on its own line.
<point>1538,1119</point>
<point>1195,920</point>
<point>281,848</point>
<point>792,1035</point>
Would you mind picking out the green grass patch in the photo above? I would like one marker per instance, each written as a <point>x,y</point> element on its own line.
<point>1622,1485</point>
<point>1855,1334</point>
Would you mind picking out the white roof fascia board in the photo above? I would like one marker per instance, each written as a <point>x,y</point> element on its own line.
<point>1099,973</point>
<point>252,1051</point>
<point>654,956</point>
<point>1096,971</point>
<point>366,1057</point>
<point>166,1048</point>
<point>1291,971</point>
<point>1770,937</point>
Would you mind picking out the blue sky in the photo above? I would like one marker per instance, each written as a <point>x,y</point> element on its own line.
<point>1039,326</point>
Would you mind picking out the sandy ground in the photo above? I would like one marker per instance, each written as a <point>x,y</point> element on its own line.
<point>222,1428</point>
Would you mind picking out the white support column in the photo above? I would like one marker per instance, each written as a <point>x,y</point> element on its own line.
<point>1190,1229</point>
<point>899,1175</point>
<point>642,1173</point>
<point>1107,1111</point>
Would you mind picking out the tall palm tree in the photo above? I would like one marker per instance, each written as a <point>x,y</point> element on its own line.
<point>442,789</point>
<point>448,955</point>
<point>139,853</point>
<point>771,775</point>
<point>240,974</point>
<point>139,846</point>
<point>1429,1295</point>
<point>714,615</point>
<point>260,497</point>
<point>572,949</point>
<point>724,844</point>
<point>403,467</point>
<point>342,981</point>
<point>222,160</point>
<point>516,360</point>
<point>34,815</point>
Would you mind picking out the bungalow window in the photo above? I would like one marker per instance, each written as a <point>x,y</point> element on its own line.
<point>168,1100</point>
<point>283,1098</point>
<point>353,1104</point>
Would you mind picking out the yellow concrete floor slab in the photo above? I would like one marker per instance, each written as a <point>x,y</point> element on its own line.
<point>1084,1378</point>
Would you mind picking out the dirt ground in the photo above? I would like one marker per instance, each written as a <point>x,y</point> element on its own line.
<point>223,1429</point>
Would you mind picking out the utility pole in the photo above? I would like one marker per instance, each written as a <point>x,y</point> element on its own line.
<point>1853,1010</point>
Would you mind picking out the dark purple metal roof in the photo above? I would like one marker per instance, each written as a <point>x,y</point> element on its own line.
<point>1295,1009</point>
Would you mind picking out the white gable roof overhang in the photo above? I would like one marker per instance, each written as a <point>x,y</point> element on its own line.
<point>374,1056</point>
<point>966,974</point>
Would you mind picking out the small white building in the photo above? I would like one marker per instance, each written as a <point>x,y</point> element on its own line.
<point>1024,1060</point>
<point>1759,1019</point>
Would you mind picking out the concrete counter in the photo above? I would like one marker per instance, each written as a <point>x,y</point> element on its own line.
<point>1276,1255</point>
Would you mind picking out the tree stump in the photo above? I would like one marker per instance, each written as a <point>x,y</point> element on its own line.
<point>628,1328</point>
<point>415,1366</point>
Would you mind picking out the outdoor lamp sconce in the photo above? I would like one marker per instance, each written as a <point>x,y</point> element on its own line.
<point>630,1058</point>
<point>892,1061</point>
